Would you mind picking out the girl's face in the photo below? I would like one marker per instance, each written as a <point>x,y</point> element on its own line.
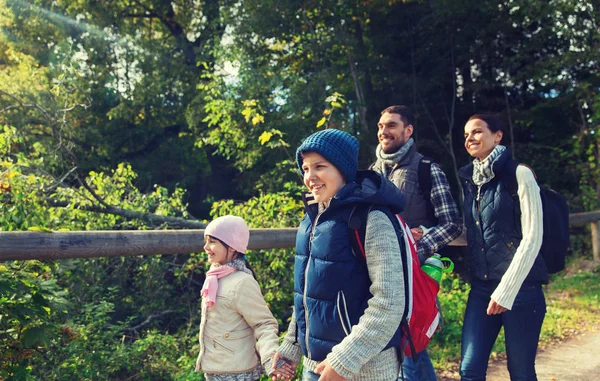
<point>216,251</point>
<point>321,177</point>
<point>479,139</point>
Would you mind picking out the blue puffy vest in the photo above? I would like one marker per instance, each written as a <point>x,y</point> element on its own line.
<point>494,226</point>
<point>331,285</point>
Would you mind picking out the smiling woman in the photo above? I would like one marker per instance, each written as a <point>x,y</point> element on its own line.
<point>504,236</point>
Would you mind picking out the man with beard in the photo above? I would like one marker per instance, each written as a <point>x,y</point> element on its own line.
<point>430,210</point>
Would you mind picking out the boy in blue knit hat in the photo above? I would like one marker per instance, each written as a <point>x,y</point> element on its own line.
<point>346,309</point>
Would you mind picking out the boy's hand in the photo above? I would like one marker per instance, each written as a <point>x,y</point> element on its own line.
<point>327,373</point>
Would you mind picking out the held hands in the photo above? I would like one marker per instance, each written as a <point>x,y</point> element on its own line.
<point>283,369</point>
<point>327,373</point>
<point>494,308</point>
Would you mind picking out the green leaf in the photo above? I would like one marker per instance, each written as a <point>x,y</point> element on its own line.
<point>35,337</point>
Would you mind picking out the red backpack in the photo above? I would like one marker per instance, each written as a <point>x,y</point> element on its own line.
<point>421,315</point>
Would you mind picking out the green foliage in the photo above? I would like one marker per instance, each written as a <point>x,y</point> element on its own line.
<point>208,101</point>
<point>31,302</point>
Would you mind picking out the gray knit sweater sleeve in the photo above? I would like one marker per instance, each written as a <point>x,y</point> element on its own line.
<point>289,348</point>
<point>384,312</point>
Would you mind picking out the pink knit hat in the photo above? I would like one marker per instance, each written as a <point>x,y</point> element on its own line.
<point>230,229</point>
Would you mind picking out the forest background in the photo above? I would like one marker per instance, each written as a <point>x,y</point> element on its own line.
<point>142,114</point>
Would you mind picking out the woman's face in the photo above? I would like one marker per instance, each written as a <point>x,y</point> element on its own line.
<point>217,253</point>
<point>321,177</point>
<point>479,139</point>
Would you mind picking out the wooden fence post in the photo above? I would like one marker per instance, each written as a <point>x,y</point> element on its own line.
<point>595,226</point>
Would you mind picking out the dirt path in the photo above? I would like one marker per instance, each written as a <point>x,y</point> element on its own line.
<point>576,359</point>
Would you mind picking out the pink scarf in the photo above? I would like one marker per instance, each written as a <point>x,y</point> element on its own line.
<point>211,284</point>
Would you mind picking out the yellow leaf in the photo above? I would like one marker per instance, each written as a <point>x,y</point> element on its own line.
<point>39,229</point>
<point>321,122</point>
<point>257,119</point>
<point>265,137</point>
<point>327,111</point>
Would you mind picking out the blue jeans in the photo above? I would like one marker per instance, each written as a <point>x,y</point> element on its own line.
<point>421,370</point>
<point>522,326</point>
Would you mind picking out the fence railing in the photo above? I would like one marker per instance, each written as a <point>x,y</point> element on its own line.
<point>88,244</point>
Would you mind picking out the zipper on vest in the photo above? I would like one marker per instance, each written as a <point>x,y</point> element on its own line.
<point>480,223</point>
<point>312,233</point>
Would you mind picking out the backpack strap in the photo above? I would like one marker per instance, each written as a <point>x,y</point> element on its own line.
<point>509,177</point>
<point>425,183</point>
<point>357,229</point>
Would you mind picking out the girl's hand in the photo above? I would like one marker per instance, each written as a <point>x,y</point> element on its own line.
<point>494,308</point>
<point>283,369</point>
<point>327,373</point>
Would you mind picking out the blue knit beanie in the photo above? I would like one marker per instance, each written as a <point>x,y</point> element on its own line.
<point>338,147</point>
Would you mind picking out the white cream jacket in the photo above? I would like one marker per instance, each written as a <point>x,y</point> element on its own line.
<point>237,329</point>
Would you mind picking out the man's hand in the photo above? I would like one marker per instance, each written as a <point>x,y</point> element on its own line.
<point>494,308</point>
<point>417,233</point>
<point>327,373</point>
<point>283,369</point>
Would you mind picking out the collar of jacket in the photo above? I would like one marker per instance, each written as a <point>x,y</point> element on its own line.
<point>466,172</point>
<point>369,187</point>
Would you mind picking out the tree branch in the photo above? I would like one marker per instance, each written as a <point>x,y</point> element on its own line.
<point>149,320</point>
<point>131,214</point>
<point>26,105</point>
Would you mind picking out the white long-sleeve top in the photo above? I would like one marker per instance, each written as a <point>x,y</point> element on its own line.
<point>529,248</point>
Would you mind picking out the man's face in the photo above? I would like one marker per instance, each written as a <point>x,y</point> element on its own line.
<point>392,133</point>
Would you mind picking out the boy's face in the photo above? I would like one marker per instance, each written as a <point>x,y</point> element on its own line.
<point>321,177</point>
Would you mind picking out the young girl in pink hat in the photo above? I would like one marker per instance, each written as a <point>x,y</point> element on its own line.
<point>236,326</point>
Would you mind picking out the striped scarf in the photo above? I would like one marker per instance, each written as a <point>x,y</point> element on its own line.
<point>386,161</point>
<point>482,169</point>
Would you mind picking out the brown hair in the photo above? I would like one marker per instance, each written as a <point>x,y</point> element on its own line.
<point>405,114</point>
<point>492,122</point>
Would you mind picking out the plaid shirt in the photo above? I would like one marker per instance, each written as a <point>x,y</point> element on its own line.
<point>450,225</point>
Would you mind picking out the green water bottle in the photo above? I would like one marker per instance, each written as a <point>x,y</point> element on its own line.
<point>434,266</point>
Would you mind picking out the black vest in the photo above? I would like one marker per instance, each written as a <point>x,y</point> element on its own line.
<point>494,226</point>
<point>405,175</point>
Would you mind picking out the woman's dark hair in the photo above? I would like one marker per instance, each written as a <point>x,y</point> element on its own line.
<point>238,254</point>
<point>493,122</point>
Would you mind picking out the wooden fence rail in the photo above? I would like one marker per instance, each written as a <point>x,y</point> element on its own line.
<point>89,244</point>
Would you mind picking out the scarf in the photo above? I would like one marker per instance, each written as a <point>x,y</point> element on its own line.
<point>211,283</point>
<point>482,169</point>
<point>388,160</point>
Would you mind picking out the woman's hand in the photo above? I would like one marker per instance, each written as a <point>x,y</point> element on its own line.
<point>283,369</point>
<point>494,308</point>
<point>327,373</point>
